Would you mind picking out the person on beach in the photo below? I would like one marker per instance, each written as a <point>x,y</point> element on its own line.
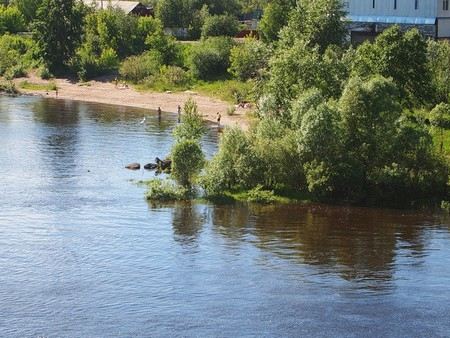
<point>159,111</point>
<point>56,91</point>
<point>219,116</point>
<point>116,82</point>
<point>179,113</point>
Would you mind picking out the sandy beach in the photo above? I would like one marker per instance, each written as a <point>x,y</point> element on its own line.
<point>105,91</point>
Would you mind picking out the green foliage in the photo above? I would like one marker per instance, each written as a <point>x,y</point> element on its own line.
<point>220,25</point>
<point>445,205</point>
<point>275,17</point>
<point>401,56</point>
<point>319,23</point>
<point>259,195</point>
<point>28,8</point>
<point>249,59</point>
<point>187,161</point>
<point>174,76</point>
<point>440,119</point>
<point>16,55</point>
<point>298,68</point>
<point>110,35</point>
<point>137,68</point>
<point>308,100</point>
<point>166,191</point>
<point>11,20</point>
<point>8,87</point>
<point>57,31</point>
<point>439,66</point>
<point>211,58</point>
<point>192,126</point>
<point>233,166</point>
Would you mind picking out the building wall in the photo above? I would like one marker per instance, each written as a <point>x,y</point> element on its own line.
<point>441,12</point>
<point>443,28</point>
<point>426,8</point>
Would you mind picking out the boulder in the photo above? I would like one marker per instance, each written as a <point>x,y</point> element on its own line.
<point>133,166</point>
<point>151,166</point>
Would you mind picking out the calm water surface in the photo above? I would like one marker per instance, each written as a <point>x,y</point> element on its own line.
<point>82,254</point>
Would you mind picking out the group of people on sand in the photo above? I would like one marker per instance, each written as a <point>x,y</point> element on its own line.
<point>159,110</point>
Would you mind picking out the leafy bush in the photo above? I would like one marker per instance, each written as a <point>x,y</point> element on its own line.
<point>259,195</point>
<point>8,87</point>
<point>211,58</point>
<point>165,190</point>
<point>187,161</point>
<point>249,59</point>
<point>16,55</point>
<point>174,76</point>
<point>137,68</point>
<point>220,25</point>
<point>11,20</point>
<point>192,126</point>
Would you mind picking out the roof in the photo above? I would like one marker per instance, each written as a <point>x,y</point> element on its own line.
<point>405,20</point>
<point>126,6</point>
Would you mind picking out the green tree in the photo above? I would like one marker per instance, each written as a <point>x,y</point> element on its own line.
<point>319,147</point>
<point>318,22</point>
<point>401,56</point>
<point>440,119</point>
<point>220,25</point>
<point>192,126</point>
<point>439,66</point>
<point>298,68</point>
<point>249,59</point>
<point>211,58</point>
<point>11,20</point>
<point>187,161</point>
<point>57,31</point>
<point>28,8</point>
<point>276,14</point>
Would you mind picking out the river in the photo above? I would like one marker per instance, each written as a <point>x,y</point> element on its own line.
<point>82,254</point>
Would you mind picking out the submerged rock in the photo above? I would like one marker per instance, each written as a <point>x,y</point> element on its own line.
<point>133,166</point>
<point>151,166</point>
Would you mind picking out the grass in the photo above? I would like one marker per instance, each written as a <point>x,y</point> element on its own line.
<point>228,90</point>
<point>37,86</point>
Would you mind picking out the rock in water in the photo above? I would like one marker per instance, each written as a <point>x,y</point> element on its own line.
<point>133,166</point>
<point>151,166</point>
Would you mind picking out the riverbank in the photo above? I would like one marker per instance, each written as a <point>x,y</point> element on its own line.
<point>103,90</point>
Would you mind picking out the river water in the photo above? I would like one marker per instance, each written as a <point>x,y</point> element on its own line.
<point>82,254</point>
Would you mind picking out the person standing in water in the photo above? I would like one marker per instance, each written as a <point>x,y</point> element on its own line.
<point>159,114</point>
<point>219,117</point>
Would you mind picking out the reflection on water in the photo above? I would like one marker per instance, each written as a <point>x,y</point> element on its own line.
<point>82,254</point>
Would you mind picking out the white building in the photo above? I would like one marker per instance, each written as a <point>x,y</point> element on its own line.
<point>370,17</point>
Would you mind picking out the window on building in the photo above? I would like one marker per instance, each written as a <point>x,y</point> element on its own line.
<point>395,4</point>
<point>373,3</point>
<point>416,4</point>
<point>445,5</point>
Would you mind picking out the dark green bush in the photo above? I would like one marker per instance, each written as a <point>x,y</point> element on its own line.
<point>137,68</point>
<point>211,58</point>
<point>220,25</point>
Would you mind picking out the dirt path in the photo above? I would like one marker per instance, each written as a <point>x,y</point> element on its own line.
<point>103,91</point>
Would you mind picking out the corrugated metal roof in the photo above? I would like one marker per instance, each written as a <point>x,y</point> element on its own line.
<point>126,6</point>
<point>405,20</point>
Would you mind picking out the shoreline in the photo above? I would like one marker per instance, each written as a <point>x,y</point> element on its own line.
<point>104,91</point>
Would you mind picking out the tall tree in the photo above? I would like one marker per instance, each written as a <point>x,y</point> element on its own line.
<point>57,31</point>
<point>276,14</point>
<point>28,8</point>
<point>402,56</point>
<point>318,22</point>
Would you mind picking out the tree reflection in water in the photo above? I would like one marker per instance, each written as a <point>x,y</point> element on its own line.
<point>358,244</point>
